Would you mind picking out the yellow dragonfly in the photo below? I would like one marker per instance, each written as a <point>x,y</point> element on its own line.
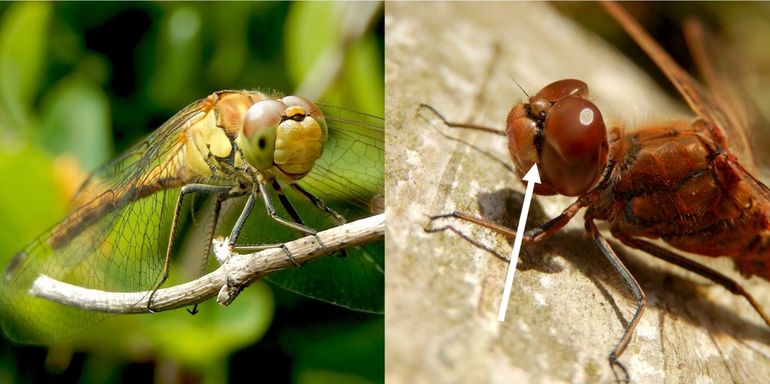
<point>121,233</point>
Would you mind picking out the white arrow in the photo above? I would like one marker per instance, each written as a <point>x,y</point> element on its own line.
<point>531,178</point>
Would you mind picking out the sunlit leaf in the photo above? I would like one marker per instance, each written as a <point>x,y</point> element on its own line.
<point>23,37</point>
<point>311,29</point>
<point>75,119</point>
<point>215,331</point>
<point>365,67</point>
<point>30,202</point>
<point>178,56</point>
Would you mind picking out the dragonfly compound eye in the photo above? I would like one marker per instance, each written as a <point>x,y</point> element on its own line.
<point>556,91</point>
<point>574,147</point>
<point>299,139</point>
<point>258,136</point>
<point>309,107</point>
<point>563,88</point>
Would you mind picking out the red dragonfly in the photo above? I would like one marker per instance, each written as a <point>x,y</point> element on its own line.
<point>676,181</point>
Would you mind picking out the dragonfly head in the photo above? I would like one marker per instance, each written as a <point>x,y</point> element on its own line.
<point>564,133</point>
<point>286,134</point>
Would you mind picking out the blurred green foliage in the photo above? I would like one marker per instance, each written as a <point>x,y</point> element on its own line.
<point>81,82</point>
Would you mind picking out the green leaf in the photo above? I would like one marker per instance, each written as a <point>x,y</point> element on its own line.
<point>214,332</point>
<point>209,336</point>
<point>75,119</point>
<point>365,63</point>
<point>178,56</point>
<point>338,352</point>
<point>23,37</point>
<point>30,201</point>
<point>331,62</point>
<point>311,28</point>
<point>230,23</point>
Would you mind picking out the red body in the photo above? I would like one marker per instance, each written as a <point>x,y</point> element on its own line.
<point>679,183</point>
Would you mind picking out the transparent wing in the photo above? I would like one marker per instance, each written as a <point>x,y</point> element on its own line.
<point>737,114</point>
<point>114,239</point>
<point>351,168</point>
<point>722,106</point>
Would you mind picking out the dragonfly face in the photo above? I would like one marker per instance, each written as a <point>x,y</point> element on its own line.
<point>563,132</point>
<point>285,135</point>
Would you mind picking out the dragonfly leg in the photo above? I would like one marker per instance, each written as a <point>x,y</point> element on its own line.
<point>453,124</point>
<point>209,240</point>
<point>298,225</point>
<point>238,227</point>
<point>236,231</point>
<point>292,212</point>
<point>274,214</point>
<point>185,190</point>
<point>295,215</point>
<point>632,285</point>
<point>286,204</point>
<point>534,235</point>
<point>692,266</point>
<point>318,203</point>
